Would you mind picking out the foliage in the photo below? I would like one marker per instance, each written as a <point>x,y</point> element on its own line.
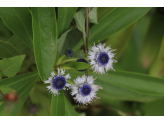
<point>33,42</point>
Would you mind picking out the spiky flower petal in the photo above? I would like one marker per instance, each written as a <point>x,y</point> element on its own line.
<point>57,82</point>
<point>84,89</point>
<point>101,59</point>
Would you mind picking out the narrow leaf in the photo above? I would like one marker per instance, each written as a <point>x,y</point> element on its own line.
<point>18,20</point>
<point>65,16</point>
<point>68,40</point>
<point>58,105</point>
<point>157,67</point>
<point>140,83</point>
<point>45,39</point>
<point>103,11</point>
<point>22,84</point>
<point>120,40</point>
<point>70,111</point>
<point>5,89</point>
<point>7,50</point>
<point>113,22</point>
<point>76,65</point>
<point>18,44</point>
<point>10,66</point>
<point>120,85</point>
<point>153,39</point>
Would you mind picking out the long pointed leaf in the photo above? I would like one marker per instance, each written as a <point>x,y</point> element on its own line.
<point>18,20</point>
<point>45,39</point>
<point>22,84</point>
<point>7,50</point>
<point>116,20</point>
<point>65,16</point>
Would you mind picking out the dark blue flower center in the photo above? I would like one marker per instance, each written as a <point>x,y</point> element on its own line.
<point>69,53</point>
<point>85,89</point>
<point>82,60</point>
<point>59,82</point>
<point>103,58</point>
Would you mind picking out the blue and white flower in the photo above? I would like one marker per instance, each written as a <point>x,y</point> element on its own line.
<point>84,89</point>
<point>101,58</point>
<point>57,82</point>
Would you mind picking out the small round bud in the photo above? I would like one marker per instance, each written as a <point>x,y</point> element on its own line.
<point>69,53</point>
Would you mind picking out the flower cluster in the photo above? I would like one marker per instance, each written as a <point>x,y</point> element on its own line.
<point>84,90</point>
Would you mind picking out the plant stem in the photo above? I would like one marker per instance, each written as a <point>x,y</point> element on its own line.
<point>87,27</point>
<point>87,36</point>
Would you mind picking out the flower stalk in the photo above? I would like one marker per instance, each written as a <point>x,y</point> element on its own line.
<point>87,35</point>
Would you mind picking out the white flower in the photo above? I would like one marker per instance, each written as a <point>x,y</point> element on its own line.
<point>84,89</point>
<point>101,58</point>
<point>57,82</point>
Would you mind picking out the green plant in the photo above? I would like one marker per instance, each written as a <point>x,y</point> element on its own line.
<point>34,42</point>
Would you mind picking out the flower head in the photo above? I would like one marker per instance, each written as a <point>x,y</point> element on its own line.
<point>101,58</point>
<point>82,60</point>
<point>69,53</point>
<point>57,82</point>
<point>84,89</point>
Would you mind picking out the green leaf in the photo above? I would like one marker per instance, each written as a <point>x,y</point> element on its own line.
<point>153,39</point>
<point>18,44</point>
<point>18,20</point>
<point>5,33</point>
<point>93,15</point>
<point>130,59</point>
<point>80,20</point>
<point>103,11</point>
<point>120,40</point>
<point>76,65</point>
<point>113,22</point>
<point>65,16</point>
<point>154,108</point>
<point>7,50</point>
<point>70,111</point>
<point>1,102</point>
<point>45,39</point>
<point>5,89</point>
<point>120,85</point>
<point>68,40</point>
<point>63,43</point>
<point>60,106</point>
<point>37,95</point>
<point>0,76</point>
<point>10,66</point>
<point>140,83</point>
<point>157,67</point>
<point>22,84</point>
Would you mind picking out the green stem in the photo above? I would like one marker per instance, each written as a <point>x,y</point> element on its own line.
<point>87,36</point>
<point>60,59</point>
